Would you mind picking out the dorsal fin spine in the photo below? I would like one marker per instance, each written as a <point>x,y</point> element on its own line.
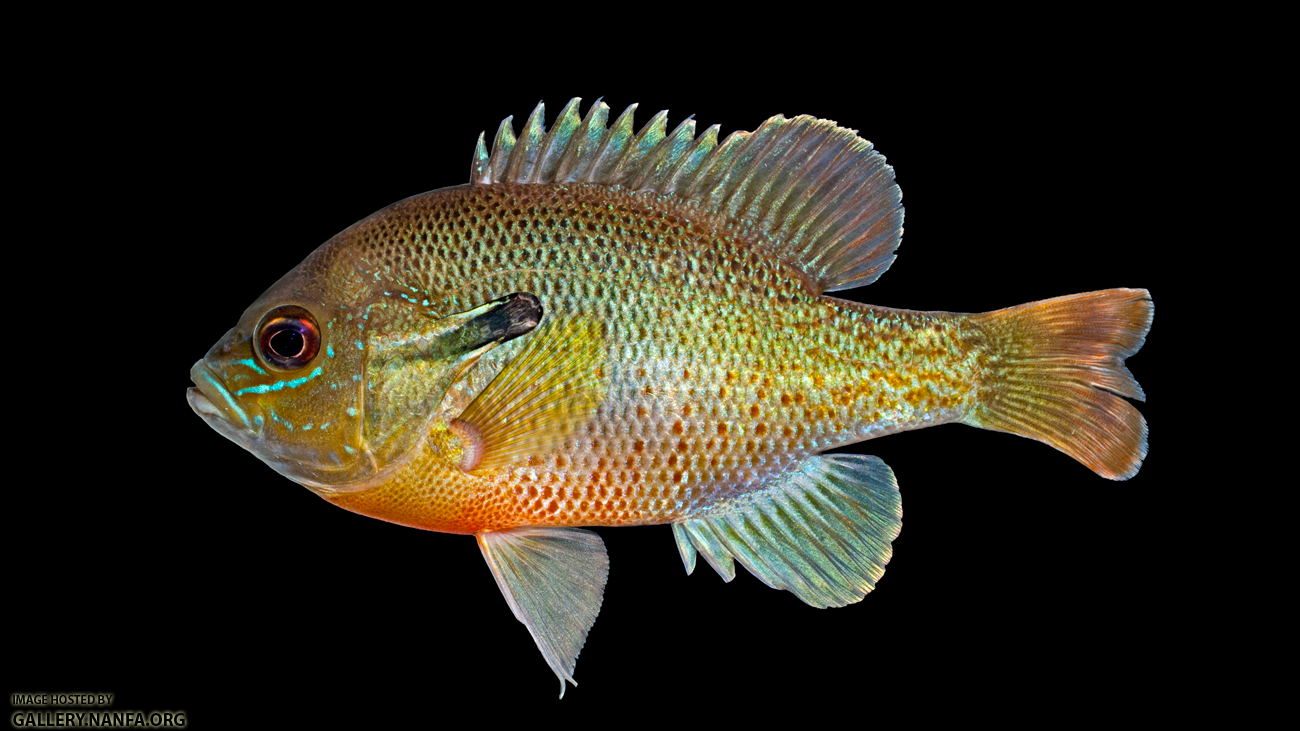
<point>714,168</point>
<point>478,167</point>
<point>524,155</point>
<point>501,147</point>
<point>556,140</point>
<point>587,136</point>
<point>612,149</point>
<point>664,156</point>
<point>690,161</point>
<point>649,137</point>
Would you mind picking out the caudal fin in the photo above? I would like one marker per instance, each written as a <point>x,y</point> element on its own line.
<point>1054,371</point>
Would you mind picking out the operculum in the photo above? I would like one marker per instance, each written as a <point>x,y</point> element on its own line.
<point>413,363</point>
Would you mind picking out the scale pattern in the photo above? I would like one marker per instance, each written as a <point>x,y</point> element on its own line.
<point>726,367</point>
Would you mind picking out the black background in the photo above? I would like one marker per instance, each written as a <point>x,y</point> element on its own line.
<point>168,566</point>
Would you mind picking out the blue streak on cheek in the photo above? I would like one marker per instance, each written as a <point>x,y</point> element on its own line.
<point>352,411</point>
<point>276,418</point>
<point>258,420</point>
<point>280,385</point>
<point>299,381</point>
<point>349,450</point>
<point>251,364</point>
<point>307,427</point>
<point>329,350</point>
<point>359,346</point>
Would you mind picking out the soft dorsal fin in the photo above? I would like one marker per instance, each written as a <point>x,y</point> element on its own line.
<point>804,189</point>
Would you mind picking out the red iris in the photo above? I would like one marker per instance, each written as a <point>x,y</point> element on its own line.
<point>287,338</point>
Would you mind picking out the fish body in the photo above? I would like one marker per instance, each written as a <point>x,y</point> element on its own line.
<point>609,329</point>
<point>717,384</point>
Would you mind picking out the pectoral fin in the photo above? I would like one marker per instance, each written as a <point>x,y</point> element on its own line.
<point>549,391</point>
<point>553,579</point>
<point>823,533</point>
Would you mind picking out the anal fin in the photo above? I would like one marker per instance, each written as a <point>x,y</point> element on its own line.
<point>554,580</point>
<point>823,533</point>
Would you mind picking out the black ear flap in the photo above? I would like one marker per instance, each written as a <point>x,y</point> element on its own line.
<point>513,315</point>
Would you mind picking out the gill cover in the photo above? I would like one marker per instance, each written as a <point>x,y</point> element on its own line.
<point>411,366</point>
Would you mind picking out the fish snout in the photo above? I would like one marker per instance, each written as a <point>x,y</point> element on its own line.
<point>212,401</point>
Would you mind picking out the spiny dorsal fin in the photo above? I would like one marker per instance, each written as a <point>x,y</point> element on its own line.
<point>804,189</point>
<point>550,390</point>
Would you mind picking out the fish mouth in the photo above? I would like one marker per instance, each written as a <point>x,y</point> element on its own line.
<point>212,401</point>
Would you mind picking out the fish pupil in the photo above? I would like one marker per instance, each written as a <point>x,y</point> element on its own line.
<point>287,343</point>
<point>287,338</point>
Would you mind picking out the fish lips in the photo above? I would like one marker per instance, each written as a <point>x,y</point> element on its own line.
<point>212,401</point>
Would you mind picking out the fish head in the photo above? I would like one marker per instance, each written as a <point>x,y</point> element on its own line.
<point>285,383</point>
<point>337,396</point>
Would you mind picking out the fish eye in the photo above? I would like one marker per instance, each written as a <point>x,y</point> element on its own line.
<point>287,338</point>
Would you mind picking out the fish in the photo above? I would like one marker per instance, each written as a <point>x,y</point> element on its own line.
<point>614,327</point>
